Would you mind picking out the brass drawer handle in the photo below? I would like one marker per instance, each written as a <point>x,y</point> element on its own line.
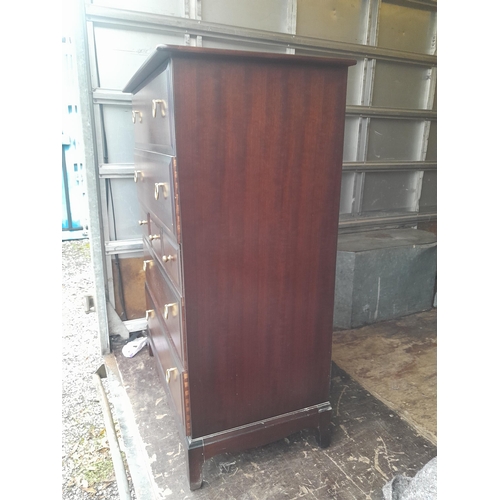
<point>138,113</point>
<point>154,237</point>
<point>137,174</point>
<point>168,258</point>
<point>168,373</point>
<point>145,264</point>
<point>142,222</point>
<point>159,185</point>
<point>150,313</point>
<point>173,306</point>
<point>163,106</point>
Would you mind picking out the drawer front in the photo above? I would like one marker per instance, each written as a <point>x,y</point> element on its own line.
<point>152,114</point>
<point>170,372</point>
<point>144,221</point>
<point>168,301</point>
<point>166,251</point>
<point>171,261</point>
<point>155,237</point>
<point>154,180</point>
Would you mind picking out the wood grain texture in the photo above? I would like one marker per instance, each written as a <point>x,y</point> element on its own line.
<point>259,152</point>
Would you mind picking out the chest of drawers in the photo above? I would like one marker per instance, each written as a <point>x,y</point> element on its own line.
<point>238,168</point>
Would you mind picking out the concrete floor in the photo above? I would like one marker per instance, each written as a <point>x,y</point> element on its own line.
<point>384,412</point>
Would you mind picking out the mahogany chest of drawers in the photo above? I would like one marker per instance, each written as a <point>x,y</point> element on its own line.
<point>238,169</point>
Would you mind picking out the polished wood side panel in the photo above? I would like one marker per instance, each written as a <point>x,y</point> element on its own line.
<point>259,152</point>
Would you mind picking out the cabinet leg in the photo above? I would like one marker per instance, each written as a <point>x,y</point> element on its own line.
<point>323,431</point>
<point>195,460</point>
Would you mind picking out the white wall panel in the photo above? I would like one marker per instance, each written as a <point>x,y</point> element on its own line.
<point>257,14</point>
<point>406,28</point>
<point>432,144</point>
<point>233,45</point>
<point>120,53</point>
<point>351,137</point>
<point>400,86</point>
<point>165,7</point>
<point>119,133</point>
<point>393,140</point>
<point>347,192</point>
<point>428,197</point>
<point>389,192</point>
<point>340,20</point>
<point>123,209</point>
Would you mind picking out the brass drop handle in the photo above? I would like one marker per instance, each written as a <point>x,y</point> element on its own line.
<point>142,222</point>
<point>163,107</point>
<point>136,113</point>
<point>145,264</point>
<point>168,373</point>
<point>150,313</point>
<point>168,258</point>
<point>154,237</point>
<point>166,310</point>
<point>159,185</point>
<point>137,174</point>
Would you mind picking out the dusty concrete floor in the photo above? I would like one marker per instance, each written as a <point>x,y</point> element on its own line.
<point>396,361</point>
<point>372,441</point>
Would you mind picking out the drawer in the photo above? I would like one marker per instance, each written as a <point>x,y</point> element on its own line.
<point>166,251</point>
<point>155,237</point>
<point>169,303</point>
<point>155,188</point>
<point>171,260</point>
<point>152,114</point>
<point>144,222</point>
<point>170,371</point>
